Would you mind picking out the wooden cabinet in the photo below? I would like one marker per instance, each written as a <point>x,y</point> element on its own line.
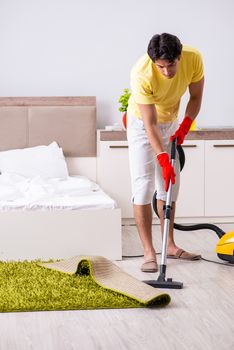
<point>190,202</point>
<point>219,178</point>
<point>113,176</point>
<point>207,180</point>
<point>113,173</point>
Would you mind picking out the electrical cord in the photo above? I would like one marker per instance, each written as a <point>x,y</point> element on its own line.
<point>132,256</point>
<point>136,256</point>
<point>207,260</point>
<point>216,262</point>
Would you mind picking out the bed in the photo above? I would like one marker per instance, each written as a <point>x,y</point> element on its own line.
<point>45,230</point>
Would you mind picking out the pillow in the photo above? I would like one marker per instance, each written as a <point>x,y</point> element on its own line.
<point>44,161</point>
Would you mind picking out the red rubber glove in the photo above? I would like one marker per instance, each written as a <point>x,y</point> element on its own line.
<point>182,131</point>
<point>167,169</point>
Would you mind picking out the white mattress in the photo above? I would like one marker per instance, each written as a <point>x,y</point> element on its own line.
<point>77,192</point>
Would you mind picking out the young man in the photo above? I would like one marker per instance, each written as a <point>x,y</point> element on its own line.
<point>158,81</point>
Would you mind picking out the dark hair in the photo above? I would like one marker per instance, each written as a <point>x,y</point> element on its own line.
<point>165,47</point>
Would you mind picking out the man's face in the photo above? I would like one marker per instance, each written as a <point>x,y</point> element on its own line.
<point>167,68</point>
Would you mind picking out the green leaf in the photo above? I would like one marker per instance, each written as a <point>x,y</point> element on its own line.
<point>123,100</point>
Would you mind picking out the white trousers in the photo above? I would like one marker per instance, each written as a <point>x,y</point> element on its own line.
<point>146,173</point>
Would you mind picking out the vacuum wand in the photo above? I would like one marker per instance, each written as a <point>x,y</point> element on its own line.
<point>162,282</point>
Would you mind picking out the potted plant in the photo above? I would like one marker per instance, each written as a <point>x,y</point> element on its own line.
<point>124,105</point>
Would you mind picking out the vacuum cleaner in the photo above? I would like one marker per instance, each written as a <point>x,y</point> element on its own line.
<point>225,245</point>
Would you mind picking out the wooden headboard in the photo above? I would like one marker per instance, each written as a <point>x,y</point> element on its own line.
<point>32,121</point>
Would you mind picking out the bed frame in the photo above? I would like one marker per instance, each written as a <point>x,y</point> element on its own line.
<point>71,122</point>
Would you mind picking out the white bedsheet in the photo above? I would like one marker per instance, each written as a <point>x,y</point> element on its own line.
<point>77,192</point>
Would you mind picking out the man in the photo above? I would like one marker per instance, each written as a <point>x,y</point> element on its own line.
<point>158,81</point>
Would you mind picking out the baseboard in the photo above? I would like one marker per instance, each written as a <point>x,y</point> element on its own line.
<point>194,220</point>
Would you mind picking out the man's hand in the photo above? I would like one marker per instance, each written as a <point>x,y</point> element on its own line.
<point>182,130</point>
<point>167,169</point>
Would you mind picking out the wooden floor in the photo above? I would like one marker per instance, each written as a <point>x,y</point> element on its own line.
<point>199,317</point>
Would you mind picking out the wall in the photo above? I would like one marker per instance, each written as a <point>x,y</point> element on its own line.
<point>87,47</point>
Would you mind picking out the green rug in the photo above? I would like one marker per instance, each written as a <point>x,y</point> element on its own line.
<point>29,286</point>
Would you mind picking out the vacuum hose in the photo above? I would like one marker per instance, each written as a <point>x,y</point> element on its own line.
<point>194,227</point>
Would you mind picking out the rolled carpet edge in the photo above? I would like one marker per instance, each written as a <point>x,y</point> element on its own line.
<point>109,276</point>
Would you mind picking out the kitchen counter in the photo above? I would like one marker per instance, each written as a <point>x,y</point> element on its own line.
<point>202,134</point>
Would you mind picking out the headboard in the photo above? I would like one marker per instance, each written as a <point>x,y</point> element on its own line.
<point>32,121</point>
<point>70,121</point>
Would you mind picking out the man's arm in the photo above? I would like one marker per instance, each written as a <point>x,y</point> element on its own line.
<point>149,116</point>
<point>192,110</point>
<point>194,103</point>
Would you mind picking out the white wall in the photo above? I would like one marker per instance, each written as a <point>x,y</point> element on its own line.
<point>87,47</point>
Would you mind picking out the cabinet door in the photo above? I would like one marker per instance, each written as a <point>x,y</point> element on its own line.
<point>191,197</point>
<point>219,178</point>
<point>113,173</point>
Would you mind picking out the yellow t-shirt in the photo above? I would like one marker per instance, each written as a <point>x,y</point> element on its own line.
<point>149,86</point>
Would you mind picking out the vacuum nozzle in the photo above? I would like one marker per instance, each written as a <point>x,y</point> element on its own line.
<point>169,283</point>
